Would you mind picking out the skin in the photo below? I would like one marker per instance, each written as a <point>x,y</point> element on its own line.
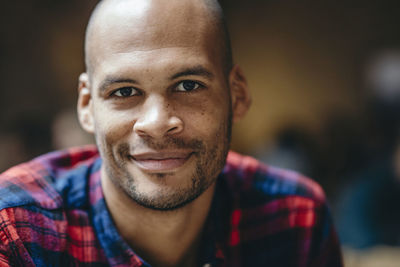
<point>160,103</point>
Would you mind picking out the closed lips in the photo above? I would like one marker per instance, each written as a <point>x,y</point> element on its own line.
<point>161,161</point>
<point>161,155</point>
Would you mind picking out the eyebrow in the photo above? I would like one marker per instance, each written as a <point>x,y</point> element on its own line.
<point>111,80</point>
<point>197,70</point>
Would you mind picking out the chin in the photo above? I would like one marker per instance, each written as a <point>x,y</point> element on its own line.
<point>166,191</point>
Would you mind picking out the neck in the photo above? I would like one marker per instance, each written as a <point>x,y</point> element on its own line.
<point>162,238</point>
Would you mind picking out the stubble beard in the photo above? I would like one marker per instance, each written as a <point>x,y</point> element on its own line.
<point>209,163</point>
<point>167,199</point>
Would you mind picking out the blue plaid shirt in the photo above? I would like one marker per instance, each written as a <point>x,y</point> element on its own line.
<point>53,213</point>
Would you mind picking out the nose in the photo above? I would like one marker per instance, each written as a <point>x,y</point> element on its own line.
<point>156,119</point>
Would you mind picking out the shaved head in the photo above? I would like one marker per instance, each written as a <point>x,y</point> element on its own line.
<point>157,19</point>
<point>160,83</point>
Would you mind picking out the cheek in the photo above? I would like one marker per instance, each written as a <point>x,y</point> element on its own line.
<point>112,126</point>
<point>206,117</point>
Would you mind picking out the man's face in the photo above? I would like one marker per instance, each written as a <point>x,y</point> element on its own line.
<point>161,108</point>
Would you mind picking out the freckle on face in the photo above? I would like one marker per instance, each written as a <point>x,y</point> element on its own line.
<point>206,119</point>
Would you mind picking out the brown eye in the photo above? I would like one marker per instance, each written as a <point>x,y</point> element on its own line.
<point>125,92</point>
<point>187,86</point>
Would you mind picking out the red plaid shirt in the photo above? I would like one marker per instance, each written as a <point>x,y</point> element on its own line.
<point>53,213</point>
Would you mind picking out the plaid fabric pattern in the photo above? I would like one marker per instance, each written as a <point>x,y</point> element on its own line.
<point>53,213</point>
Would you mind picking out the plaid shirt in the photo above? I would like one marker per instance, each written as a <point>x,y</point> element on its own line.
<point>53,213</point>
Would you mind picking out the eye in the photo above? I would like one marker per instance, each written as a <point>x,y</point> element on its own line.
<point>125,92</point>
<point>187,86</point>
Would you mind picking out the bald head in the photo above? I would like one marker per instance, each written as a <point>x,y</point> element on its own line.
<point>153,24</point>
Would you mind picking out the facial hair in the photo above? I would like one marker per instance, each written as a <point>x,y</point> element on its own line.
<point>210,160</point>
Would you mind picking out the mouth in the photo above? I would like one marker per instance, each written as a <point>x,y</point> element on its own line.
<point>161,161</point>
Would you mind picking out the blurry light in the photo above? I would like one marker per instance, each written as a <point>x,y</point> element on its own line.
<point>383,75</point>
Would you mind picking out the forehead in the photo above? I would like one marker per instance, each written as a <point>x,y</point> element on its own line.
<point>127,30</point>
<point>146,68</point>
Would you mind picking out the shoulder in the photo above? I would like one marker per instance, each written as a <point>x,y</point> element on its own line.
<point>41,181</point>
<point>38,200</point>
<point>249,177</point>
<point>269,201</point>
<point>279,217</point>
<point>272,199</point>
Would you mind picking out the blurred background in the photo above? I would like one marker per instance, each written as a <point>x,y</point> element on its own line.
<point>325,81</point>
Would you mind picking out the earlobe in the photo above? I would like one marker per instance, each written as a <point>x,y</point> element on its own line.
<point>85,109</point>
<point>240,94</point>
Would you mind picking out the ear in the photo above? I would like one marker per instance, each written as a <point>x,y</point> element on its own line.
<point>240,93</point>
<point>85,109</point>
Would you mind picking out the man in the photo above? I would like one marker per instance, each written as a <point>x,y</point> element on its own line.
<point>160,94</point>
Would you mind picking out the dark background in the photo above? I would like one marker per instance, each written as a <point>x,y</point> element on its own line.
<point>314,108</point>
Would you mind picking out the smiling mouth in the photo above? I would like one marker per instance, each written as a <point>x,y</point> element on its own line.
<point>161,161</point>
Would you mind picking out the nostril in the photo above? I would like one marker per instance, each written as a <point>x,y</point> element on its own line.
<point>157,123</point>
<point>172,129</point>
